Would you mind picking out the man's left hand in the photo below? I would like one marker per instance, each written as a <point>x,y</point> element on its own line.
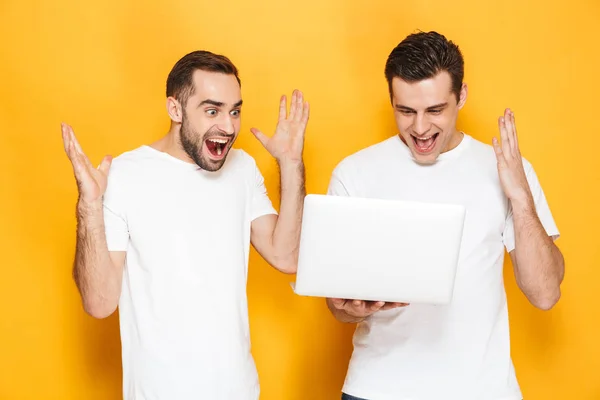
<point>287,143</point>
<point>510,163</point>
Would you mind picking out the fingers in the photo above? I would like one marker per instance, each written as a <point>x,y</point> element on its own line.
<point>77,146</point>
<point>73,156</point>
<point>262,138</point>
<point>65,137</point>
<point>358,308</point>
<point>292,113</point>
<point>74,139</point>
<point>105,165</point>
<point>375,305</point>
<point>497,149</point>
<point>357,303</point>
<point>68,141</point>
<point>299,112</point>
<point>338,303</point>
<point>283,108</point>
<point>504,136</point>
<point>362,307</point>
<point>389,306</point>
<point>500,157</point>
<point>305,113</point>
<point>509,129</point>
<point>510,144</point>
<point>513,132</point>
<point>355,307</point>
<point>80,168</point>
<point>299,109</point>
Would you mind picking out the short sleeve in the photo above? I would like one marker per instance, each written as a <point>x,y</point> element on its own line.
<point>115,221</point>
<point>260,201</point>
<point>541,206</point>
<point>336,186</point>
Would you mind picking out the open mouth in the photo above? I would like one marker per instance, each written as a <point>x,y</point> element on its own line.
<point>217,147</point>
<point>426,143</point>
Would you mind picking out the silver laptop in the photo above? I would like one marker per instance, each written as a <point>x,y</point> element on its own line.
<point>380,250</point>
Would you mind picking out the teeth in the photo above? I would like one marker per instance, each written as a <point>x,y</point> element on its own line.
<point>222,141</point>
<point>219,151</point>
<point>424,139</point>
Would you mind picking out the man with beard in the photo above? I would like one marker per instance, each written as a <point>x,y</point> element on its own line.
<point>165,236</point>
<point>460,350</point>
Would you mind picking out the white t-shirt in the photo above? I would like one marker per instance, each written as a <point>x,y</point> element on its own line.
<point>183,309</point>
<point>460,351</point>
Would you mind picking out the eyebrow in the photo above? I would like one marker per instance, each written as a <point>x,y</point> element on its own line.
<point>218,103</point>
<point>404,108</point>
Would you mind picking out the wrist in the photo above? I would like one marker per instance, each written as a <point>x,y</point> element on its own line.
<point>290,163</point>
<point>89,208</point>
<point>522,203</point>
<point>291,172</point>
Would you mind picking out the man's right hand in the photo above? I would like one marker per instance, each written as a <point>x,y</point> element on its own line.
<point>361,309</point>
<point>91,181</point>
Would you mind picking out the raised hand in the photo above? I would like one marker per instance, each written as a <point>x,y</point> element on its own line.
<point>287,143</point>
<point>361,308</point>
<point>510,164</point>
<point>91,181</point>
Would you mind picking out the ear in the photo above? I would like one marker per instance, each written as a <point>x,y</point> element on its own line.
<point>174,109</point>
<point>463,96</point>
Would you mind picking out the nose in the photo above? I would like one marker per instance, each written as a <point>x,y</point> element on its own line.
<point>421,125</point>
<point>226,126</point>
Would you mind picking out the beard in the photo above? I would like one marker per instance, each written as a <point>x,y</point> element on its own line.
<point>192,143</point>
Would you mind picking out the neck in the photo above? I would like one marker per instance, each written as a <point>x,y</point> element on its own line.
<point>454,141</point>
<point>171,144</point>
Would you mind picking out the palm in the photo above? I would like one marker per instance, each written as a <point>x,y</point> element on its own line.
<point>91,182</point>
<point>93,185</point>
<point>288,140</point>
<point>287,143</point>
<point>507,181</point>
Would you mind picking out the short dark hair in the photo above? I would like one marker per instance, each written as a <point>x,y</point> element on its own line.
<point>423,55</point>
<point>180,84</point>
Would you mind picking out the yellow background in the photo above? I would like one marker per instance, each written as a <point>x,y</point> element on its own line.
<point>102,67</point>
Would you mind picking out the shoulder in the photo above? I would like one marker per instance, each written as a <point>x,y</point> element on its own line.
<point>241,156</point>
<point>123,177</point>
<point>479,150</point>
<point>129,163</point>
<point>241,165</point>
<point>369,158</point>
<point>239,161</point>
<point>134,158</point>
<point>485,153</point>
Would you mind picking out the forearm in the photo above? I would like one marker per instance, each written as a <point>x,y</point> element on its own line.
<point>341,315</point>
<point>286,235</point>
<point>539,266</point>
<point>96,276</point>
